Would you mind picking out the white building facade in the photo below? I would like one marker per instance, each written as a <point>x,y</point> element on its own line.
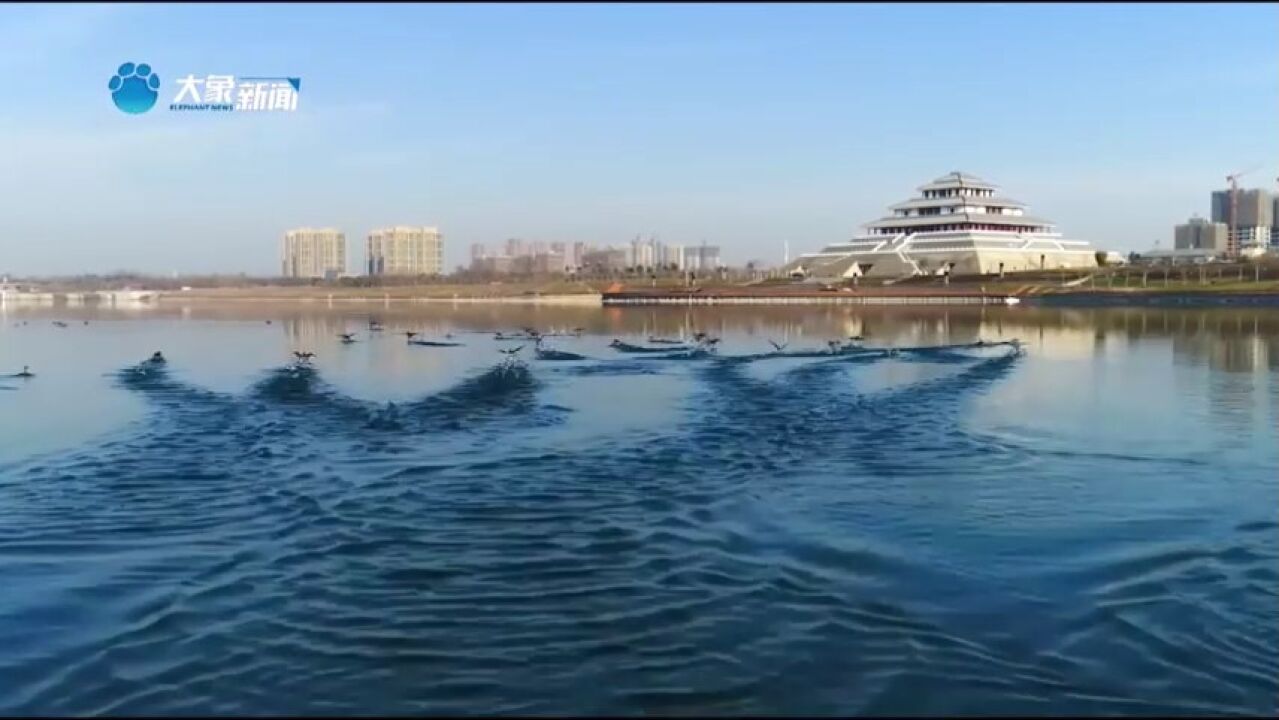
<point>313,253</point>
<point>405,250</point>
<point>959,225</point>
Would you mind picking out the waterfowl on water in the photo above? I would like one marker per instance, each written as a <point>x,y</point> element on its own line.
<point>157,358</point>
<point>511,352</point>
<point>409,334</point>
<point>26,373</point>
<point>347,337</point>
<point>59,323</point>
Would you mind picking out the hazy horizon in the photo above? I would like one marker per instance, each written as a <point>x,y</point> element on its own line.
<point>744,126</point>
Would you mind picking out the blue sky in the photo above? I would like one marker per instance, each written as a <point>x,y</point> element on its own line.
<point>741,125</point>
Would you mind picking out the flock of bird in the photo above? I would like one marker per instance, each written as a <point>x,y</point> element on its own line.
<point>26,373</point>
<point>157,358</point>
<point>699,342</point>
<point>56,323</point>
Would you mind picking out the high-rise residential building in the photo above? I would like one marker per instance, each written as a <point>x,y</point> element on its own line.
<point>642,255</point>
<point>1274,225</point>
<point>1256,207</point>
<point>1256,216</point>
<point>404,250</point>
<point>607,259</point>
<point>313,253</point>
<point>550,262</point>
<point>673,255</point>
<point>702,258</point>
<point>515,247</point>
<point>496,264</point>
<point>524,257</point>
<point>1201,234</point>
<point>575,254</point>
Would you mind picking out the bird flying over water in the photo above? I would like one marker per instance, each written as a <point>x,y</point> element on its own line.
<point>776,346</point>
<point>303,356</point>
<point>347,337</point>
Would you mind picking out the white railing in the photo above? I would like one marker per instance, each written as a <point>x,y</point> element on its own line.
<point>901,253</point>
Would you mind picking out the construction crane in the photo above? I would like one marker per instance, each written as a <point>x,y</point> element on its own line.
<point>1232,243</point>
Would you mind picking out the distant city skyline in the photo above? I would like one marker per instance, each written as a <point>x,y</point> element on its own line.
<point>748,127</point>
<point>517,256</point>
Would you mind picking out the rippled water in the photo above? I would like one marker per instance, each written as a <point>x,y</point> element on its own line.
<point>1088,527</point>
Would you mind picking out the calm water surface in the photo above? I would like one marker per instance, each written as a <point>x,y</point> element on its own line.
<point>1088,527</point>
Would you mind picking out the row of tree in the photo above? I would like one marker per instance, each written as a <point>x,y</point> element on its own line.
<point>136,280</point>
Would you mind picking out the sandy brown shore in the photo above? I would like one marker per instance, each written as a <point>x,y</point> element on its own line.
<point>556,293</point>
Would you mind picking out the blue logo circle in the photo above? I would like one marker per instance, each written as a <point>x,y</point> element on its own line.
<point>133,87</point>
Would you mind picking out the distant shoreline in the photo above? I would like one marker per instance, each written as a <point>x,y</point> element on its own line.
<point>1028,290</point>
<point>1160,298</point>
<point>589,299</point>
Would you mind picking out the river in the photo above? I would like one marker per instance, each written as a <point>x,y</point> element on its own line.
<point>1086,526</point>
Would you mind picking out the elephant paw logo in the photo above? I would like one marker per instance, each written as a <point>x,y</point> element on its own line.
<point>133,87</point>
